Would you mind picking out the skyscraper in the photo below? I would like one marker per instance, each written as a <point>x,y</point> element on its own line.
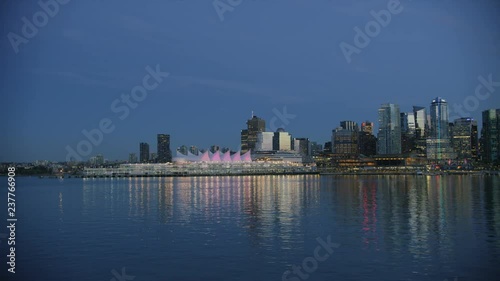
<point>183,149</point>
<point>328,147</point>
<point>464,138</point>
<point>193,149</point>
<point>282,140</point>
<point>164,154</point>
<point>316,148</point>
<point>407,132</point>
<point>438,142</point>
<point>421,130</point>
<point>249,135</point>
<point>349,125</point>
<point>132,158</point>
<point>389,131</point>
<point>302,146</point>
<point>439,119</point>
<point>490,136</point>
<point>367,127</point>
<point>421,125</point>
<point>143,152</point>
<point>264,141</point>
<point>345,140</point>
<point>408,123</point>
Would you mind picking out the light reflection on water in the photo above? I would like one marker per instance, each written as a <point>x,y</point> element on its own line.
<point>256,227</point>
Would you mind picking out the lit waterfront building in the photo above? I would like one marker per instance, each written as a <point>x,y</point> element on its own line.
<point>208,163</point>
<point>389,132</point>
<point>202,168</point>
<point>163,148</point>
<point>490,136</point>
<point>438,142</point>
<point>464,138</point>
<point>144,152</point>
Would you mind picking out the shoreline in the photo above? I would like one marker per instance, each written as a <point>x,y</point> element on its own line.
<point>381,173</point>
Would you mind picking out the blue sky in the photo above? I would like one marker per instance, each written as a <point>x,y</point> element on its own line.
<point>265,54</point>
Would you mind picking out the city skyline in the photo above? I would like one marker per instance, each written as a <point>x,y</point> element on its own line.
<point>209,83</point>
<point>145,156</point>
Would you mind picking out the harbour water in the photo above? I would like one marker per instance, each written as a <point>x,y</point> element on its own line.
<point>257,228</point>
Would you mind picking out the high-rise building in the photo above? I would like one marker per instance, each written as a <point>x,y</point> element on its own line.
<point>249,135</point>
<point>328,147</point>
<point>100,159</point>
<point>345,140</point>
<point>316,148</point>
<point>438,142</point>
<point>421,130</point>
<point>349,125</point>
<point>193,149</point>
<point>408,135</point>
<point>439,119</point>
<point>132,158</point>
<point>214,148</point>
<point>97,160</point>
<point>264,141</point>
<point>408,123</point>
<point>421,125</point>
<point>464,138</point>
<point>164,152</point>
<point>302,146</point>
<point>367,144</point>
<point>490,136</point>
<point>183,149</point>
<point>153,158</point>
<point>282,140</point>
<point>389,131</point>
<point>144,152</point>
<point>367,127</point>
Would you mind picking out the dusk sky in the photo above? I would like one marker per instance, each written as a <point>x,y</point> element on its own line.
<point>262,55</point>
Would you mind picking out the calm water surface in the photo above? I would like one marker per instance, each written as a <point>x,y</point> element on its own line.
<point>257,228</point>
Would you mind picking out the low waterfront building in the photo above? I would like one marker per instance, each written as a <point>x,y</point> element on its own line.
<point>201,169</point>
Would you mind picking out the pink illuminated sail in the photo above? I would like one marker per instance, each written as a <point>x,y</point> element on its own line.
<point>226,157</point>
<point>216,157</point>
<point>205,157</point>
<point>246,157</point>
<point>237,157</point>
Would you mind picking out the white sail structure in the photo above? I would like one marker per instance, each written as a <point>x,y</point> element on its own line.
<point>207,156</point>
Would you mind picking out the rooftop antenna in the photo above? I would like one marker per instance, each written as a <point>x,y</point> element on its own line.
<point>252,114</point>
